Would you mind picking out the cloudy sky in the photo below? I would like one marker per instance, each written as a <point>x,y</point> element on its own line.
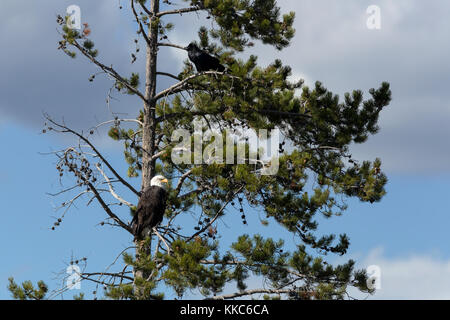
<point>406,234</point>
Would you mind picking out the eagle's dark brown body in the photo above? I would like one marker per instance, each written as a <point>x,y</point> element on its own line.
<point>150,210</point>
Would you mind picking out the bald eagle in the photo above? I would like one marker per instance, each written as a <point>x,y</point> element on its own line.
<point>151,207</point>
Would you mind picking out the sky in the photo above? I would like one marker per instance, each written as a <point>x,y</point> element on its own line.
<point>405,234</point>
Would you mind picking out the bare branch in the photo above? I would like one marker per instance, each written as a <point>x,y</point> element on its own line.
<point>168,75</point>
<point>120,120</point>
<point>191,192</point>
<point>62,191</point>
<point>181,181</point>
<point>179,11</point>
<point>70,203</point>
<point>108,70</point>
<point>157,155</point>
<point>92,189</point>
<point>141,27</point>
<point>66,129</point>
<point>249,292</point>
<point>146,9</point>
<point>107,274</point>
<point>106,207</point>
<point>162,239</point>
<point>111,189</point>
<point>162,44</point>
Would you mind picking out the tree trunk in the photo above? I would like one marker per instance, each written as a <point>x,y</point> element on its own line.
<point>148,134</point>
<point>148,130</point>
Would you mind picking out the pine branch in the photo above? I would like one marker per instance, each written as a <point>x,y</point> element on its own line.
<point>181,114</point>
<point>180,86</point>
<point>249,292</point>
<point>233,262</point>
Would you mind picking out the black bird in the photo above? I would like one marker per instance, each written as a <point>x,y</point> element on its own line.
<point>202,60</point>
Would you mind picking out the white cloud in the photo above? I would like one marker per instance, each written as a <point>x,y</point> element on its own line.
<point>417,276</point>
<point>413,277</point>
<point>333,45</point>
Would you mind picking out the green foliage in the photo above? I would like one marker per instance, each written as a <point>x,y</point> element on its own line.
<point>241,20</point>
<point>89,46</point>
<point>70,37</point>
<point>80,296</point>
<point>27,291</point>
<point>120,292</point>
<point>133,81</point>
<point>262,99</point>
<point>198,264</point>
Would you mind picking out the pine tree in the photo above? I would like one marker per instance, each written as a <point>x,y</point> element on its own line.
<point>315,168</point>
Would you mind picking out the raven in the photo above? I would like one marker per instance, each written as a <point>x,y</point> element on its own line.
<point>202,60</point>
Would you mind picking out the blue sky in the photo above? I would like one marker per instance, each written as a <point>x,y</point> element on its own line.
<point>406,233</point>
<point>411,219</point>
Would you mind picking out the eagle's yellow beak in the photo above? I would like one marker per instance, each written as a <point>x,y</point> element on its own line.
<point>165,181</point>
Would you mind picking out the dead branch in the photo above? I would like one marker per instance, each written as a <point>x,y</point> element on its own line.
<point>67,129</point>
<point>141,27</point>
<point>163,44</point>
<point>111,188</point>
<point>118,120</point>
<point>181,181</point>
<point>168,75</point>
<point>109,70</point>
<point>180,11</point>
<point>107,274</point>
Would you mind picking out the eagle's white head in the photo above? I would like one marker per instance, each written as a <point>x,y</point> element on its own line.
<point>160,181</point>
